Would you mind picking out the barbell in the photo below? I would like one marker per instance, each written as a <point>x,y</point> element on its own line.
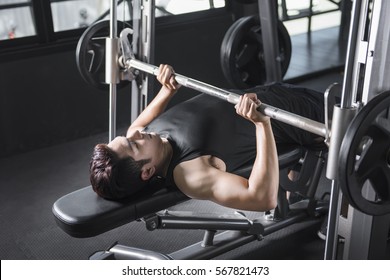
<point>88,43</point>
<point>365,151</point>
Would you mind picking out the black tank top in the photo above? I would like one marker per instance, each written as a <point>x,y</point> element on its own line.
<point>205,125</point>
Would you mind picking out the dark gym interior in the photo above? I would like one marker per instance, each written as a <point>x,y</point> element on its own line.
<point>50,119</point>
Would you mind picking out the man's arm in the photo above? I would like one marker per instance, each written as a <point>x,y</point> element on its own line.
<point>264,178</point>
<point>160,102</point>
<point>258,193</point>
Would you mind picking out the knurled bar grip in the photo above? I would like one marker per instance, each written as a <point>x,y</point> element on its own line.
<point>270,111</point>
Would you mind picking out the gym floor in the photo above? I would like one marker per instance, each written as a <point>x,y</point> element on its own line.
<point>33,181</point>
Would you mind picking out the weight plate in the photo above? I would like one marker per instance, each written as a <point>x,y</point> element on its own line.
<point>365,158</point>
<point>242,55</point>
<point>90,54</point>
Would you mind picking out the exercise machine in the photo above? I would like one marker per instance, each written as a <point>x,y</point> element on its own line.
<point>361,173</point>
<point>84,214</point>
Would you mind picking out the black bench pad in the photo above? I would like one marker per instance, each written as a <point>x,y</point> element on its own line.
<point>82,213</point>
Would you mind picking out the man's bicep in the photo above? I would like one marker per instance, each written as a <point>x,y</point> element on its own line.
<point>210,183</point>
<point>230,190</point>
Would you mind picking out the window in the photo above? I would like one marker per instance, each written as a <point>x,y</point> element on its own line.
<point>73,14</point>
<point>46,21</point>
<point>305,16</point>
<point>175,7</point>
<point>16,19</point>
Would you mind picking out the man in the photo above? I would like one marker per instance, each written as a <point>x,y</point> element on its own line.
<point>199,146</point>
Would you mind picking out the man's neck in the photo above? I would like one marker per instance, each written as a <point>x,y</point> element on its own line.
<point>167,156</point>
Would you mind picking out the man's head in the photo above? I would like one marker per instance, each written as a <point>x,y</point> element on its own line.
<point>125,165</point>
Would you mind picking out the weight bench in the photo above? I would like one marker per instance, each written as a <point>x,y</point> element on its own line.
<point>83,214</point>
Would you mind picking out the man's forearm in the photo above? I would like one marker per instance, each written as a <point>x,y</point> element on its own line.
<point>265,173</point>
<point>155,108</point>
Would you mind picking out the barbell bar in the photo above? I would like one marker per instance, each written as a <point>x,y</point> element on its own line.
<point>268,110</point>
<point>91,71</point>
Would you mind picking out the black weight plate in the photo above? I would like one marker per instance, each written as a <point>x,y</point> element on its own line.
<point>90,54</point>
<point>242,55</point>
<point>365,157</point>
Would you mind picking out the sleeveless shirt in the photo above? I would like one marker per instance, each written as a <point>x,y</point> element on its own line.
<point>205,125</point>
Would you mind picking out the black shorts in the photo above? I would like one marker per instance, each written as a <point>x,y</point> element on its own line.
<point>298,100</point>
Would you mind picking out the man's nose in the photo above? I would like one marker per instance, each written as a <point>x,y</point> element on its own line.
<point>137,135</point>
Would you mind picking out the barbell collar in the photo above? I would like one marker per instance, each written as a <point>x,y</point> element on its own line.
<point>341,119</point>
<point>270,111</point>
<point>112,61</point>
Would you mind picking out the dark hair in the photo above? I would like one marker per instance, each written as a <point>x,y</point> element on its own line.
<point>113,177</point>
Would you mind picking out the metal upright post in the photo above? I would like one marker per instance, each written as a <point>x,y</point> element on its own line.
<point>366,74</point>
<point>143,47</point>
<point>112,69</point>
<point>135,90</point>
<point>269,21</point>
<point>366,236</point>
<point>147,47</point>
<point>342,115</point>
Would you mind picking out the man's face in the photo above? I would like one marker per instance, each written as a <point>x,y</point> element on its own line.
<point>138,145</point>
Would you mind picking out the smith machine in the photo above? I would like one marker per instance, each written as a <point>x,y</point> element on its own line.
<point>358,161</point>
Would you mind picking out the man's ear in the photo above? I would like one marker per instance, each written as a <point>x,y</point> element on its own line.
<point>147,172</point>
